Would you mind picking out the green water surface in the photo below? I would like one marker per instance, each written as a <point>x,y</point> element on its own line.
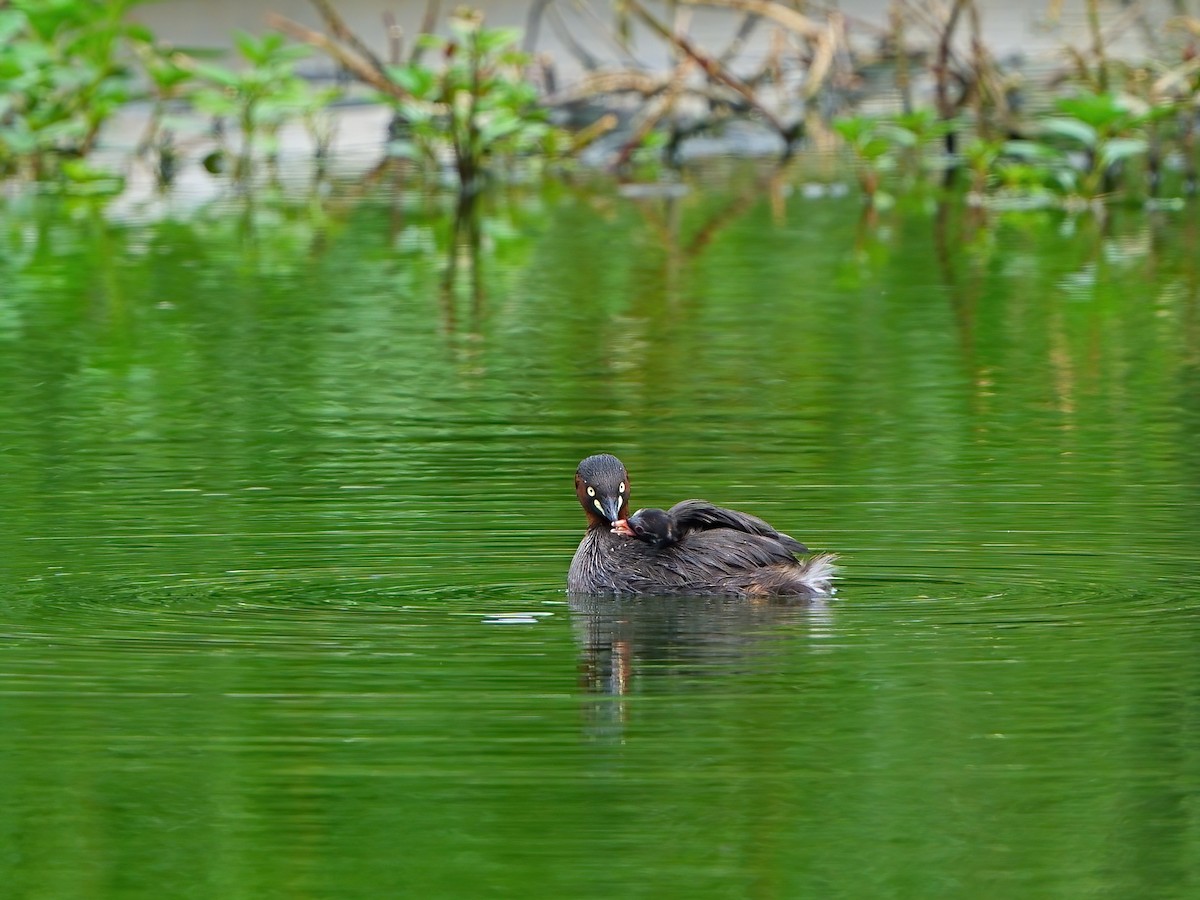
<point>287,510</point>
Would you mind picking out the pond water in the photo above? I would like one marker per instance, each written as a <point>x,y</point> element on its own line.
<point>287,504</point>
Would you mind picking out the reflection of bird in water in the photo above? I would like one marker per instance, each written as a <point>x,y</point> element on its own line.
<point>714,551</point>
<point>624,638</point>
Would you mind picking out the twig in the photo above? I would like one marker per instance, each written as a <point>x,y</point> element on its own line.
<point>903,77</point>
<point>339,30</point>
<point>941,69</point>
<point>352,62</point>
<point>604,31</point>
<point>979,66</point>
<point>749,23</point>
<point>784,15</point>
<point>395,37</point>
<point>642,83</point>
<point>663,106</point>
<point>1093,18</point>
<point>822,61</point>
<point>428,23</point>
<point>587,136</point>
<point>713,69</point>
<point>589,62</point>
<point>533,24</point>
<point>1174,77</point>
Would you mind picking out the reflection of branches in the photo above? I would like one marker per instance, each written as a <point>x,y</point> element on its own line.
<point>666,224</point>
<point>464,240</point>
<point>948,240</point>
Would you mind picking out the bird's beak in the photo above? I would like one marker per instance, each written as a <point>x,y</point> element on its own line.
<point>621,526</point>
<point>612,508</point>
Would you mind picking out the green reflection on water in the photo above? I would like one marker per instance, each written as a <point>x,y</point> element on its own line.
<point>272,482</point>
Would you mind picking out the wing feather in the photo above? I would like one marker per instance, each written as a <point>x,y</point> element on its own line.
<point>700,515</point>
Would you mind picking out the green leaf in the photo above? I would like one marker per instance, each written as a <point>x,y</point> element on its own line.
<point>168,76</point>
<point>138,32</point>
<point>415,113</point>
<point>853,128</point>
<point>18,138</point>
<point>921,122</point>
<point>430,42</point>
<point>215,102</point>
<point>12,23</point>
<point>492,40</point>
<point>901,137</point>
<point>291,54</point>
<point>1072,129</point>
<point>872,148</point>
<point>403,150</point>
<point>78,170</point>
<point>218,75</point>
<point>1103,112</point>
<point>249,46</point>
<point>416,80</point>
<point>499,127</point>
<point>1119,149</point>
<point>1032,150</point>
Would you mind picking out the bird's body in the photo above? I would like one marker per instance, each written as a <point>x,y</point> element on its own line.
<point>713,551</point>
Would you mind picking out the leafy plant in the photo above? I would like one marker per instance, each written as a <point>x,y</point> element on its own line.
<point>169,80</point>
<point>1091,138</point>
<point>871,148</point>
<point>477,109</point>
<point>980,157</point>
<point>259,97</point>
<point>1104,128</point>
<point>63,72</point>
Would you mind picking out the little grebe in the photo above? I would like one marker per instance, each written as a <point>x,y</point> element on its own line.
<point>662,527</point>
<point>696,548</point>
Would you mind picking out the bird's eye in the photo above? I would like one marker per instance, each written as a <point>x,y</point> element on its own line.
<point>591,491</point>
<point>621,489</point>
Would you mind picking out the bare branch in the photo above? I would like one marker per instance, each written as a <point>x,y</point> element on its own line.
<point>352,62</point>
<point>339,30</point>
<point>712,68</point>
<point>784,15</point>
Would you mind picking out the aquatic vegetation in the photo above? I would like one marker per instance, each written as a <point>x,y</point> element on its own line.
<point>477,106</point>
<point>260,97</point>
<point>1080,151</point>
<point>472,105</point>
<point>64,71</point>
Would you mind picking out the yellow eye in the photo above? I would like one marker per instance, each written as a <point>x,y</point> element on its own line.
<point>621,489</point>
<point>591,492</point>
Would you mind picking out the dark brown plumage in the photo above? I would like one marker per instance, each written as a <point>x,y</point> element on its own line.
<point>662,527</point>
<point>720,551</point>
